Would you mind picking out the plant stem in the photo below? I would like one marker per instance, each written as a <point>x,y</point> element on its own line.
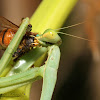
<point>51,14</point>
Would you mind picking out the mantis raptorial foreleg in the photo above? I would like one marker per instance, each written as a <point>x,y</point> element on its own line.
<point>13,45</point>
<point>50,72</point>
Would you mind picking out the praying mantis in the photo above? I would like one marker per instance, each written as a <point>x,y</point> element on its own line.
<point>21,73</point>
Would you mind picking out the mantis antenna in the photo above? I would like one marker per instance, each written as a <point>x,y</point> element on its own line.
<point>71,25</point>
<point>76,36</point>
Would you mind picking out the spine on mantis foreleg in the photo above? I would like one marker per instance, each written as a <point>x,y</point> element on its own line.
<point>50,72</point>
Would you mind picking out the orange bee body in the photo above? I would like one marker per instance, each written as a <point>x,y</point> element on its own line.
<point>6,36</point>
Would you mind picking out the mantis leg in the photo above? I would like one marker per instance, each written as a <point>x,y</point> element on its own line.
<point>50,72</point>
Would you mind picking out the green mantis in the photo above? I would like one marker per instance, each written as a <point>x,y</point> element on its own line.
<point>21,73</point>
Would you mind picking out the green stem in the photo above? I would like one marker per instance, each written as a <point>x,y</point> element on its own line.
<point>51,14</point>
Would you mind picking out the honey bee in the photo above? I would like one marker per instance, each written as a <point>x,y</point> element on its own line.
<point>7,32</point>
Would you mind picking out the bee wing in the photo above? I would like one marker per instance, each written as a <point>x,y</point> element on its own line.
<point>4,23</point>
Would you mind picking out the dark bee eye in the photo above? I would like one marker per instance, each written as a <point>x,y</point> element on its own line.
<point>29,28</point>
<point>30,25</point>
